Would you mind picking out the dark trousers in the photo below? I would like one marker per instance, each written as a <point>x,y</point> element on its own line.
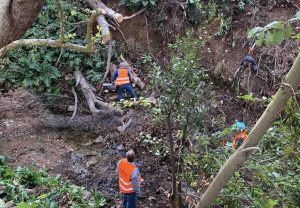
<point>126,87</point>
<point>129,200</point>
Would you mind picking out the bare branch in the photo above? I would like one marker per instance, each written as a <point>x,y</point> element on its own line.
<point>56,43</point>
<point>134,15</point>
<point>102,22</point>
<point>110,12</point>
<point>107,65</point>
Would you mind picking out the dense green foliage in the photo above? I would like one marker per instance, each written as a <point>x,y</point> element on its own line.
<point>182,85</point>
<point>137,4</point>
<point>199,12</point>
<point>274,32</point>
<point>40,68</point>
<point>271,177</point>
<point>50,192</point>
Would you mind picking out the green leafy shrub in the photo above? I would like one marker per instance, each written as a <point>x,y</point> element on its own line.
<point>225,26</point>
<point>52,191</point>
<point>137,4</point>
<point>40,68</point>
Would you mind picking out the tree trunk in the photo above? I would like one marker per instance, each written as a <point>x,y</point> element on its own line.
<point>173,163</point>
<point>287,89</point>
<point>105,32</point>
<point>91,99</point>
<point>16,16</point>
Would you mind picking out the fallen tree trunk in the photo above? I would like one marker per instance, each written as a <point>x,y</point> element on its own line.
<point>109,12</point>
<point>88,92</point>
<point>287,89</point>
<point>105,32</point>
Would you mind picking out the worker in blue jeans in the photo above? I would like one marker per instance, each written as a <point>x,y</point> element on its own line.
<point>122,77</point>
<point>129,180</point>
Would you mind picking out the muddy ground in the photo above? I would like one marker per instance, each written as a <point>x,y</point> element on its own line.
<point>85,158</point>
<point>88,156</point>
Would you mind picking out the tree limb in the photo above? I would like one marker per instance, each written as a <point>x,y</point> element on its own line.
<point>110,12</point>
<point>107,66</point>
<point>102,22</point>
<point>134,15</point>
<point>56,43</point>
<point>91,98</point>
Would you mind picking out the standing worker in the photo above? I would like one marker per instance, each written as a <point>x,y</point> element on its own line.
<point>129,180</point>
<point>122,78</point>
<point>238,140</point>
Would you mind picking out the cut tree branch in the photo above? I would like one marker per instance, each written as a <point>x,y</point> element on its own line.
<point>91,98</point>
<point>134,15</point>
<point>105,32</point>
<point>285,92</point>
<point>56,43</point>
<point>109,12</point>
<point>107,66</point>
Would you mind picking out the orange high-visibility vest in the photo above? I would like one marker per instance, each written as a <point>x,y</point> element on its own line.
<point>241,135</point>
<point>125,170</point>
<point>123,77</point>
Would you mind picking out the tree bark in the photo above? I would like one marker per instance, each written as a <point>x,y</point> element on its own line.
<point>289,85</point>
<point>105,32</point>
<point>173,162</point>
<point>16,16</point>
<point>115,15</point>
<point>91,99</point>
<point>56,43</point>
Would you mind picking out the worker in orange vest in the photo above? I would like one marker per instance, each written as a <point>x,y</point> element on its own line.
<point>122,78</point>
<point>238,140</point>
<point>129,180</point>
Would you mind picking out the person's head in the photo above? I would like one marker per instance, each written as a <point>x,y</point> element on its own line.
<point>130,155</point>
<point>240,125</point>
<point>123,64</point>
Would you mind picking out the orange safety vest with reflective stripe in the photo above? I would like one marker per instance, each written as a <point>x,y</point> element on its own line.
<point>241,135</point>
<point>125,170</point>
<point>123,77</point>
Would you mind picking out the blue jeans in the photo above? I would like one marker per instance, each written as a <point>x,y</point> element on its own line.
<point>129,200</point>
<point>126,87</point>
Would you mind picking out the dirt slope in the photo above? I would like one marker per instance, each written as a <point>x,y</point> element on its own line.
<point>83,157</point>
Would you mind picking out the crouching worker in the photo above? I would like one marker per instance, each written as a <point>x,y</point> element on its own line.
<point>122,78</point>
<point>238,140</point>
<point>129,180</point>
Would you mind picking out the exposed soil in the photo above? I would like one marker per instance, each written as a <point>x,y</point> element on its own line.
<point>88,156</point>
<point>27,141</point>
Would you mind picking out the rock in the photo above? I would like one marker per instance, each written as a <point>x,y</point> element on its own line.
<point>86,195</point>
<point>9,204</point>
<point>71,108</point>
<point>120,147</point>
<point>88,143</point>
<point>99,139</point>
<point>92,162</point>
<point>150,198</point>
